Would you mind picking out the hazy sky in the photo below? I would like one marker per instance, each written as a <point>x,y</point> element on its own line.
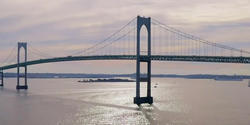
<point>59,27</point>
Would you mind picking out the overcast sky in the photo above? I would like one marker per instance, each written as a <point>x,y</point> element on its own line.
<point>59,27</point>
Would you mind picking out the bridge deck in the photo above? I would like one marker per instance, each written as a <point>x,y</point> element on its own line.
<point>217,59</point>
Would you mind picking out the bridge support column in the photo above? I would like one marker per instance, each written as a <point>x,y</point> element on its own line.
<point>19,75</point>
<point>1,75</point>
<point>145,58</point>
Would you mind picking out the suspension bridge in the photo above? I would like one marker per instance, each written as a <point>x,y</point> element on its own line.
<point>160,43</point>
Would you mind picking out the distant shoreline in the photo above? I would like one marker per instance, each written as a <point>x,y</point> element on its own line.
<point>132,76</point>
<point>106,80</point>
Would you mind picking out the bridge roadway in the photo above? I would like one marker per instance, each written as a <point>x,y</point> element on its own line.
<point>217,59</point>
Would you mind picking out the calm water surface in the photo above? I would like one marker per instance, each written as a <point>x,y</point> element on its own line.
<point>176,102</point>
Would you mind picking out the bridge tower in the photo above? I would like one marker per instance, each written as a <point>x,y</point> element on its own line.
<point>25,86</point>
<point>1,79</point>
<point>142,21</point>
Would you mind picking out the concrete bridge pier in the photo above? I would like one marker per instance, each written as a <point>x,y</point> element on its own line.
<point>1,75</point>
<point>142,21</point>
<point>23,75</point>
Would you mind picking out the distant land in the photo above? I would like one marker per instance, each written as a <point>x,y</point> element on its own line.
<point>132,76</point>
<point>107,80</point>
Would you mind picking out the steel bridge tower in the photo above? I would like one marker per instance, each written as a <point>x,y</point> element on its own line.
<point>25,86</point>
<point>142,21</point>
<point>1,79</point>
